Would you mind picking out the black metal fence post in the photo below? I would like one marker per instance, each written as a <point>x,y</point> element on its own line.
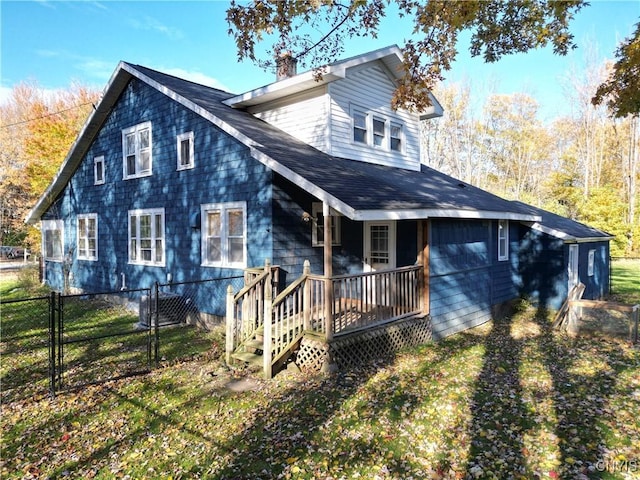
<point>52,344</point>
<point>156,323</point>
<point>60,312</point>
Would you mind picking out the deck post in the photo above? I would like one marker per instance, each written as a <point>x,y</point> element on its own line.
<point>306,301</point>
<point>230,321</point>
<point>328,272</point>
<point>268,322</point>
<point>424,283</point>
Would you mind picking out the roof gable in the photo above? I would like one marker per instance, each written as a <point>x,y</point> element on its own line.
<point>389,57</point>
<point>564,228</point>
<point>358,190</point>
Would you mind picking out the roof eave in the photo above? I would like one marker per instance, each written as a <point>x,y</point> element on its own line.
<point>83,141</point>
<point>426,213</point>
<point>565,237</point>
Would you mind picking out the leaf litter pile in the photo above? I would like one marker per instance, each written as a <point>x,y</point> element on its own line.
<point>510,399</point>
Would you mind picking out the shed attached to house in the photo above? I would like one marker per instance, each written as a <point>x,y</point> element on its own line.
<point>557,253</point>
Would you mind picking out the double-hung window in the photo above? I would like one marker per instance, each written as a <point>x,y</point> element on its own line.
<point>503,240</point>
<point>224,234</point>
<point>147,237</point>
<point>98,170</point>
<point>87,238</point>
<point>379,132</point>
<point>136,148</point>
<point>52,239</point>
<point>317,233</point>
<point>395,139</point>
<point>185,151</point>
<point>359,126</point>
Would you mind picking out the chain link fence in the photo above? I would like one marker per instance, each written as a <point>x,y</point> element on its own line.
<point>59,341</point>
<point>24,348</point>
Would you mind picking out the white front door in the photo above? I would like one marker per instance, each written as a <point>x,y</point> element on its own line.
<point>379,245</point>
<point>379,254</point>
<point>572,268</point>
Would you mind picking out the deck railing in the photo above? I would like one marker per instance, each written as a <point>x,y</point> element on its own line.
<point>366,299</point>
<point>360,301</point>
<point>246,309</point>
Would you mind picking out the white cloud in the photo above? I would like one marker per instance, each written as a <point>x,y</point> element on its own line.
<point>196,77</point>
<point>5,95</point>
<point>148,23</point>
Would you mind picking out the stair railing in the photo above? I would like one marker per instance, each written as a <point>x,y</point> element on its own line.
<point>247,309</point>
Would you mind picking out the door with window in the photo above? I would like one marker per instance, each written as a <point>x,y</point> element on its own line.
<point>572,268</point>
<point>379,254</point>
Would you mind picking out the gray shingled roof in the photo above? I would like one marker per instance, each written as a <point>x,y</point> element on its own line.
<point>563,227</point>
<point>362,186</point>
<point>358,190</point>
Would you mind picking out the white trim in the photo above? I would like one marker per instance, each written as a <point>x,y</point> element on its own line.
<point>503,226</point>
<point>52,225</point>
<point>591,261</point>
<point>565,236</point>
<point>223,208</point>
<point>152,212</point>
<point>573,266</point>
<point>99,160</point>
<point>367,243</point>
<point>179,139</point>
<point>424,213</point>
<point>336,231</point>
<point>135,130</point>
<point>86,237</point>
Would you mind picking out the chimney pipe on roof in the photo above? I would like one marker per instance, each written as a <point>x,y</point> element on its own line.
<point>285,66</point>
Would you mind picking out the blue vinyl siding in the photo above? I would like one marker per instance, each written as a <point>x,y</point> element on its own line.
<point>460,259</point>
<point>224,172</point>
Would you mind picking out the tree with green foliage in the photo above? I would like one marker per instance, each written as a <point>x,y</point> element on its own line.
<point>497,28</point>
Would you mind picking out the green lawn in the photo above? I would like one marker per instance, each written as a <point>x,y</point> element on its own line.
<point>625,281</point>
<point>510,399</point>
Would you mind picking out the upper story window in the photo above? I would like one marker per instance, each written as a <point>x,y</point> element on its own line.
<point>87,239</point>
<point>376,130</point>
<point>395,138</point>
<point>317,234</point>
<point>146,237</point>
<point>136,148</point>
<point>224,234</point>
<point>503,240</point>
<point>185,151</point>
<point>52,239</point>
<point>98,170</point>
<point>359,126</point>
<point>379,132</point>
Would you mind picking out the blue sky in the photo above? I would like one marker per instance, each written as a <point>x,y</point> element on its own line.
<point>55,43</point>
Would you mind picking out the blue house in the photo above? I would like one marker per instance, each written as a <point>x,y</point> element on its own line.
<point>172,179</point>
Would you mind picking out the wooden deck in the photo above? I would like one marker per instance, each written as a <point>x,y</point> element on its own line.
<point>359,303</point>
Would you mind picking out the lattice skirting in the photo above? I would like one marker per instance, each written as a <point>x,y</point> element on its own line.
<point>365,346</point>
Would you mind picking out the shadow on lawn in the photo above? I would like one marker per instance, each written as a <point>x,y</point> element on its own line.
<point>579,395</point>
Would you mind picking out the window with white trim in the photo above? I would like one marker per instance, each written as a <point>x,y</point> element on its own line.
<point>591,264</point>
<point>224,234</point>
<point>147,237</point>
<point>379,132</point>
<point>503,240</point>
<point>359,126</point>
<point>52,240</point>
<point>87,237</point>
<point>185,150</point>
<point>395,137</point>
<point>374,129</point>
<point>136,150</point>
<point>98,170</point>
<point>317,232</point>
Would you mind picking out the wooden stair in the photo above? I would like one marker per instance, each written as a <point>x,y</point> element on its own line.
<point>250,351</point>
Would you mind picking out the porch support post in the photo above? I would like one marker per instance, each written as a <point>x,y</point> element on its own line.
<point>230,325</point>
<point>328,271</point>
<point>425,267</point>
